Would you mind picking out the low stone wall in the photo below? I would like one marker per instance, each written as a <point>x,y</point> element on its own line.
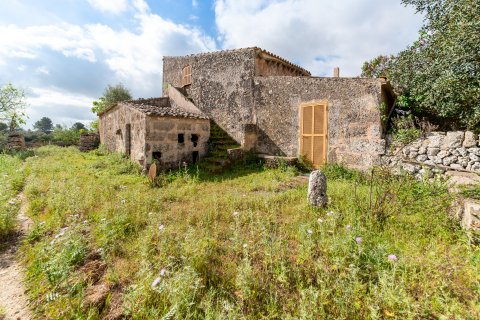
<point>88,141</point>
<point>441,151</point>
<point>15,141</point>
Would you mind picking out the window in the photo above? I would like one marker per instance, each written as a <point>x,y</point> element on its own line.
<point>194,140</point>
<point>181,138</point>
<point>157,155</point>
<point>187,75</point>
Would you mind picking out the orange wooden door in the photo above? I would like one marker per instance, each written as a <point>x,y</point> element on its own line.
<point>314,133</point>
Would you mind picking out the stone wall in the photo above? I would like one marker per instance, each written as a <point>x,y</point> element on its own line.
<point>112,130</point>
<point>221,85</point>
<point>162,136</point>
<point>88,141</point>
<point>354,126</point>
<point>442,151</point>
<point>15,141</point>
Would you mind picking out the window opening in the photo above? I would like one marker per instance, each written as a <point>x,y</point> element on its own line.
<point>181,138</point>
<point>194,140</point>
<point>157,155</point>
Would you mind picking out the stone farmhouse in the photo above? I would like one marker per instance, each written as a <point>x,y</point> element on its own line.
<point>262,101</point>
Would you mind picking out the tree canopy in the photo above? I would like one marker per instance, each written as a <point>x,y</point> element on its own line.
<point>77,126</point>
<point>44,125</point>
<point>12,106</point>
<point>111,95</point>
<point>439,74</point>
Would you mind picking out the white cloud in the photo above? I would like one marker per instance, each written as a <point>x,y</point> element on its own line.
<point>60,106</point>
<point>42,70</point>
<point>141,6</point>
<point>194,3</point>
<point>110,6</point>
<point>319,34</point>
<point>22,67</point>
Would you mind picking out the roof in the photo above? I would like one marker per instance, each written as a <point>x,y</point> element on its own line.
<point>160,107</point>
<point>262,52</point>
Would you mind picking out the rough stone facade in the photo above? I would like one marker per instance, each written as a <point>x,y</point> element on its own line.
<point>440,151</point>
<point>169,130</point>
<point>355,131</point>
<point>255,96</point>
<point>15,141</point>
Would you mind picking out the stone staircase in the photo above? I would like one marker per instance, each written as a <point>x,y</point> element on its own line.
<point>217,158</point>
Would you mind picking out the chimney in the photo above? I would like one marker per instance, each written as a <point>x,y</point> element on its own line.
<point>336,72</point>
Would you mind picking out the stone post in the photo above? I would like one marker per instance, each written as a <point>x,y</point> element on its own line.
<point>317,189</point>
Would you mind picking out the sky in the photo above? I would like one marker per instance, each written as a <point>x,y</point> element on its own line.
<point>64,53</point>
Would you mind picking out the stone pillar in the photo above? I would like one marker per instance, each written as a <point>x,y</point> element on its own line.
<point>317,189</point>
<point>15,141</point>
<point>249,137</point>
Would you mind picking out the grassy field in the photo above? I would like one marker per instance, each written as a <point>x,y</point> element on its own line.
<point>241,245</point>
<point>11,183</point>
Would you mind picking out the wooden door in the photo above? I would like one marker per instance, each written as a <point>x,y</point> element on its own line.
<point>314,133</point>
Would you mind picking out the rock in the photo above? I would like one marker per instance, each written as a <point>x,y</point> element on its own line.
<point>455,152</point>
<point>463,161</point>
<point>433,151</point>
<point>476,166</point>
<point>426,173</point>
<point>475,151</point>
<point>317,189</point>
<point>462,151</point>
<point>453,139</point>
<point>449,160</point>
<point>422,150</point>
<point>438,160</point>
<point>474,157</point>
<point>442,154</point>
<point>435,139</point>
<point>470,139</point>
<point>456,166</point>
<point>409,168</point>
<point>429,162</point>
<point>422,158</point>
<point>412,154</point>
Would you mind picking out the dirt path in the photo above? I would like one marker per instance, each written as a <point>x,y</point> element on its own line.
<point>13,299</point>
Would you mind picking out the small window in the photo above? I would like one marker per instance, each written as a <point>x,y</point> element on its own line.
<point>157,155</point>
<point>187,75</point>
<point>181,138</point>
<point>194,156</point>
<point>194,140</point>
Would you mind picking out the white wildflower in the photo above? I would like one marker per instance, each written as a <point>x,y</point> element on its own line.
<point>309,231</point>
<point>156,282</point>
<point>161,227</point>
<point>319,220</point>
<point>235,213</point>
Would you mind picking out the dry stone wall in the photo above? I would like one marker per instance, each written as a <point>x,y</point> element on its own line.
<point>440,151</point>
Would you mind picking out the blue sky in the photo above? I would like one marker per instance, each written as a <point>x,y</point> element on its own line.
<point>65,52</point>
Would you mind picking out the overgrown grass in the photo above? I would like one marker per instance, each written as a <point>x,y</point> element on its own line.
<point>244,244</point>
<point>11,183</point>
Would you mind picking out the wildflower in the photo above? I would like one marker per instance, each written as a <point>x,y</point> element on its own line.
<point>161,227</point>
<point>163,272</point>
<point>235,213</point>
<point>348,227</point>
<point>123,201</point>
<point>358,240</point>
<point>319,220</point>
<point>150,213</point>
<point>309,231</point>
<point>245,245</point>
<point>392,257</point>
<point>156,282</point>
<point>330,213</point>
<point>244,195</point>
<point>103,219</point>
<point>42,223</point>
<point>11,202</point>
<point>85,221</point>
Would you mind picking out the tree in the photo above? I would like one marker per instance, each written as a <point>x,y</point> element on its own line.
<point>438,76</point>
<point>12,106</point>
<point>111,96</point>
<point>77,126</point>
<point>377,67</point>
<point>44,125</point>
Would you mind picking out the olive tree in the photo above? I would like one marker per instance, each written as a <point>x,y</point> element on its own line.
<point>12,106</point>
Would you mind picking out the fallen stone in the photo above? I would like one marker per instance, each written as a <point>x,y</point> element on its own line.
<point>317,189</point>
<point>422,150</point>
<point>449,160</point>
<point>470,139</point>
<point>409,168</point>
<point>456,166</point>
<point>453,139</point>
<point>433,151</point>
<point>422,158</point>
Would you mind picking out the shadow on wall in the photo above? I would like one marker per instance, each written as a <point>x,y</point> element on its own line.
<point>266,145</point>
